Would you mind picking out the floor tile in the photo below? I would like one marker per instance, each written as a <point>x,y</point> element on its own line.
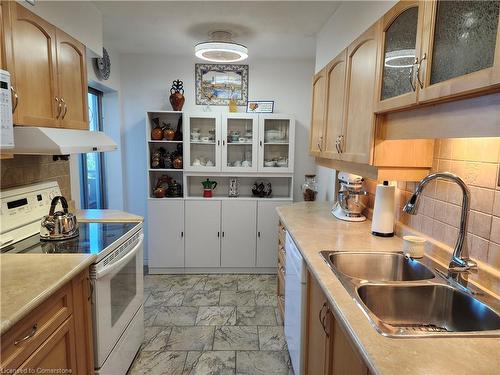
<point>257,282</point>
<point>176,316</point>
<point>222,282</point>
<point>155,338</point>
<point>216,315</point>
<point>279,319</point>
<point>261,363</point>
<point>256,316</point>
<point>236,338</point>
<point>235,298</point>
<point>201,298</point>
<point>266,298</point>
<point>164,298</point>
<point>149,316</point>
<point>186,282</point>
<point>159,363</point>
<point>191,338</point>
<point>272,338</point>
<point>216,363</point>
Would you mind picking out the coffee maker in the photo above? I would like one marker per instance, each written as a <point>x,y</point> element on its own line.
<point>352,199</point>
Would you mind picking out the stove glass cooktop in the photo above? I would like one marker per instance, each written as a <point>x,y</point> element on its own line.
<point>93,238</point>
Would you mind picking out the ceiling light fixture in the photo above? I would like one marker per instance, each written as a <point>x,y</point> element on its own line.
<point>221,49</point>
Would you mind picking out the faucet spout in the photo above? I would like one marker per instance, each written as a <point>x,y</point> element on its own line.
<point>460,259</point>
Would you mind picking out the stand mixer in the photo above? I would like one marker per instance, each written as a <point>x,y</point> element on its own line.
<point>352,199</point>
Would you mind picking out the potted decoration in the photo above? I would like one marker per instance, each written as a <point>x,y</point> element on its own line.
<point>177,95</point>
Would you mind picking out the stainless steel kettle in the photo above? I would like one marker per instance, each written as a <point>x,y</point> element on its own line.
<point>59,225</point>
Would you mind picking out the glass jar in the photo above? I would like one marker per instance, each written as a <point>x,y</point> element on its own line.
<point>310,188</point>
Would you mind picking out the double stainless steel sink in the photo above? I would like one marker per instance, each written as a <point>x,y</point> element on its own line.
<point>405,297</point>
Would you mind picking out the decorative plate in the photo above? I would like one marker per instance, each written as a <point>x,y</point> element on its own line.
<point>103,65</point>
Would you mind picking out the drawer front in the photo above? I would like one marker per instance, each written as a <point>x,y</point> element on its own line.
<point>281,234</point>
<point>281,281</point>
<point>26,336</point>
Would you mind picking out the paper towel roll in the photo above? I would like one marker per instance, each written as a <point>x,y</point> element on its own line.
<point>383,212</point>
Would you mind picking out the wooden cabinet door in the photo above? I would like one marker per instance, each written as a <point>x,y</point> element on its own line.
<point>343,357</point>
<point>359,119</point>
<point>267,235</point>
<point>57,352</point>
<point>72,78</point>
<point>318,113</point>
<point>400,41</point>
<point>166,233</point>
<point>202,241</point>
<point>316,348</point>
<point>334,117</point>
<point>238,245</point>
<point>31,61</point>
<point>461,43</point>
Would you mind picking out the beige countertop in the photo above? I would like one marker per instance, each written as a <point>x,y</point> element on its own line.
<point>27,280</point>
<point>106,216</point>
<point>313,229</point>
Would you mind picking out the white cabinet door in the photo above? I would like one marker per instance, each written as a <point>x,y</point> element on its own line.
<point>276,143</point>
<point>202,142</point>
<point>239,233</point>
<point>202,233</point>
<point>267,233</point>
<point>240,133</point>
<point>166,233</point>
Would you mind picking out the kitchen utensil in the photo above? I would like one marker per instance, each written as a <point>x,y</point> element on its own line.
<point>160,190</point>
<point>208,187</point>
<point>174,190</point>
<point>234,188</point>
<point>414,246</point>
<point>352,199</point>
<point>235,135</point>
<point>383,211</point>
<point>262,189</point>
<point>58,225</point>
<point>177,162</point>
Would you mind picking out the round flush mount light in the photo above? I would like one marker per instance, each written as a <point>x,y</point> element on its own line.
<point>221,49</point>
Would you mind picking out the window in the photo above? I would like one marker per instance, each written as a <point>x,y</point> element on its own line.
<point>93,187</point>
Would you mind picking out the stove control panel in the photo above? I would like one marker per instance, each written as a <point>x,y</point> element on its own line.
<point>22,209</point>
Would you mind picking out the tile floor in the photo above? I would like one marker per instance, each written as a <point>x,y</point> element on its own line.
<point>212,324</point>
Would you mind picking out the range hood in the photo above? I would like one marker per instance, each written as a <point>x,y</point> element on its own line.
<point>55,141</point>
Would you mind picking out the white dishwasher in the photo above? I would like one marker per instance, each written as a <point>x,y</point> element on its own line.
<point>295,300</point>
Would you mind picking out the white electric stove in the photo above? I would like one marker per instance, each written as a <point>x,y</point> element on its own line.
<point>116,276</point>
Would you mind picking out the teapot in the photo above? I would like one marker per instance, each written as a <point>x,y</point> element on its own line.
<point>58,225</point>
<point>208,186</point>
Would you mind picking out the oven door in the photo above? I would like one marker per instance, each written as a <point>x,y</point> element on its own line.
<point>118,294</point>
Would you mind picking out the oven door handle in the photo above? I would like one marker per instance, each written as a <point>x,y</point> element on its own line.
<point>122,261</point>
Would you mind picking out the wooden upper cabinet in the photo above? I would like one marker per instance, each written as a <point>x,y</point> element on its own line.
<point>400,36</point>
<point>72,71</point>
<point>31,61</point>
<point>359,118</point>
<point>460,49</point>
<point>334,108</point>
<point>318,113</point>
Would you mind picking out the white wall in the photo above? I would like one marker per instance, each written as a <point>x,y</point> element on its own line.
<point>345,25</point>
<point>146,81</point>
<point>80,19</point>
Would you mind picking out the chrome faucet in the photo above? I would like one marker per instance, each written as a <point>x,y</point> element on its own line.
<point>460,261</point>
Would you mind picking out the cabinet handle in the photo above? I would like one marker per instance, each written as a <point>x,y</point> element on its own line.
<point>28,336</point>
<point>218,143</point>
<point>260,143</point>
<point>419,65</point>
<point>223,142</point>
<point>337,144</point>
<point>323,317</point>
<point>59,107</point>
<point>258,234</point>
<point>341,142</point>
<point>222,234</point>
<point>182,234</point>
<point>65,108</point>
<point>15,96</point>
<point>218,234</point>
<point>91,289</point>
<point>319,144</point>
<point>412,75</point>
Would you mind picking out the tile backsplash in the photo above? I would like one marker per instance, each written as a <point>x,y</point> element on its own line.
<point>29,169</point>
<point>476,161</point>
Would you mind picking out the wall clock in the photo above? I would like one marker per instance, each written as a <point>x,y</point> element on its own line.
<point>103,65</point>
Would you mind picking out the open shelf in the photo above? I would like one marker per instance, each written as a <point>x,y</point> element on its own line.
<point>164,170</point>
<point>162,141</point>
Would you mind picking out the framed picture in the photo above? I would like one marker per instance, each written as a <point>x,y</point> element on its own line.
<point>260,106</point>
<point>216,84</point>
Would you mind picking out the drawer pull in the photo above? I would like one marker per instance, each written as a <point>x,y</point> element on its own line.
<point>28,336</point>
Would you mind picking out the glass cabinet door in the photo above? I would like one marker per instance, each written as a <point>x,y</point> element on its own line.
<point>400,47</point>
<point>202,138</point>
<point>239,142</point>
<point>465,37</point>
<point>276,143</point>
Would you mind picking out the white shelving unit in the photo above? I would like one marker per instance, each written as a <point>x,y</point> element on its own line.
<point>220,234</point>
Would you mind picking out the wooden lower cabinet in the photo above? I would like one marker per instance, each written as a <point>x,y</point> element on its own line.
<point>328,350</point>
<point>55,336</point>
